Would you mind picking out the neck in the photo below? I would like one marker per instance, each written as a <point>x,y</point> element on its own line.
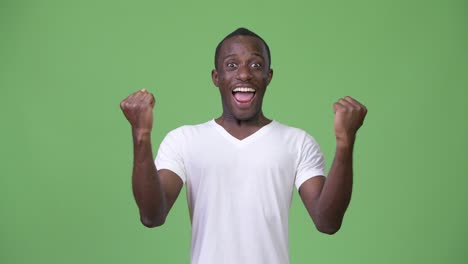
<point>242,128</point>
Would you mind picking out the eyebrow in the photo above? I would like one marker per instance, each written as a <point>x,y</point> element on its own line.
<point>233,55</point>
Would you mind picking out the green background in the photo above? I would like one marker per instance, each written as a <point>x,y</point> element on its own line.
<point>66,153</point>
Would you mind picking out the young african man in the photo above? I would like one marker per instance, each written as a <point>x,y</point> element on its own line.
<point>240,169</point>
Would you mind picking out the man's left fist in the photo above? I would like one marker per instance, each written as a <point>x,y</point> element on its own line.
<point>349,116</point>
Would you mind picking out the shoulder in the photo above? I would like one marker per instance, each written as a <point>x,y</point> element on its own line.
<point>296,138</point>
<point>290,131</point>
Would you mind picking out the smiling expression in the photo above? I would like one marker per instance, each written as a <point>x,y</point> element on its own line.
<point>242,75</point>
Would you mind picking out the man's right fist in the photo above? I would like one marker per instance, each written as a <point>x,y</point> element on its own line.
<point>138,109</point>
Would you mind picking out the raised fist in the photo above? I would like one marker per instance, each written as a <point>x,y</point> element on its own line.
<point>349,117</point>
<point>138,109</point>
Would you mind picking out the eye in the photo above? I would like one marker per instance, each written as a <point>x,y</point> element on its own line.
<point>231,65</point>
<point>256,65</point>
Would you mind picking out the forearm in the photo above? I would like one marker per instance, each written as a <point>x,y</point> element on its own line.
<point>146,185</point>
<point>336,193</point>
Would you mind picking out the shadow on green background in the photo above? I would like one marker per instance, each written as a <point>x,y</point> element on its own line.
<point>66,148</point>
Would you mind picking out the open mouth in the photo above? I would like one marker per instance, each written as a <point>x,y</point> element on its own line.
<point>243,95</point>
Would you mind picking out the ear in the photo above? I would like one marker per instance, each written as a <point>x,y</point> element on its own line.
<point>270,76</point>
<point>214,77</point>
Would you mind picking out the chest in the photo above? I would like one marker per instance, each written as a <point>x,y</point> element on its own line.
<point>265,167</point>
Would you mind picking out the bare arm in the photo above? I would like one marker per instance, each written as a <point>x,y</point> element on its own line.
<point>327,199</point>
<point>155,191</point>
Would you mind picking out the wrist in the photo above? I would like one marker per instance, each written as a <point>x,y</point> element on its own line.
<point>141,134</point>
<point>345,142</point>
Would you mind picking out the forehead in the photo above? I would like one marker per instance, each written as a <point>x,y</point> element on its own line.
<point>242,45</point>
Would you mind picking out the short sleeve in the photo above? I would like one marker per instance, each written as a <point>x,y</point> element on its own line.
<point>170,154</point>
<point>311,161</point>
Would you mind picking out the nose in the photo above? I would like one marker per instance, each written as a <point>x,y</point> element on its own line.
<point>243,73</point>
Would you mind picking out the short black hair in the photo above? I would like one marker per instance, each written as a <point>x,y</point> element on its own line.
<point>240,32</point>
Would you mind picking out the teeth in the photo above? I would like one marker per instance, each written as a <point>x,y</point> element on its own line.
<point>244,90</point>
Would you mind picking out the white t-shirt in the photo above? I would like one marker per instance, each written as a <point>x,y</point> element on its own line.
<point>239,191</point>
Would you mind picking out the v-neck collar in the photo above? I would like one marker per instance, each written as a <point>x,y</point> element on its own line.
<point>245,141</point>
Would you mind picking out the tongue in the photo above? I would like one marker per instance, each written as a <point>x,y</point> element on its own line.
<point>244,97</point>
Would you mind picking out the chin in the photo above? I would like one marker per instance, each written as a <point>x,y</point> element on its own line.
<point>245,116</point>
<point>244,112</point>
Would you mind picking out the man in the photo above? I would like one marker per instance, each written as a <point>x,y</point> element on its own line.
<point>241,168</point>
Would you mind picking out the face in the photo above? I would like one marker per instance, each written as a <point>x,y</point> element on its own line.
<point>242,76</point>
